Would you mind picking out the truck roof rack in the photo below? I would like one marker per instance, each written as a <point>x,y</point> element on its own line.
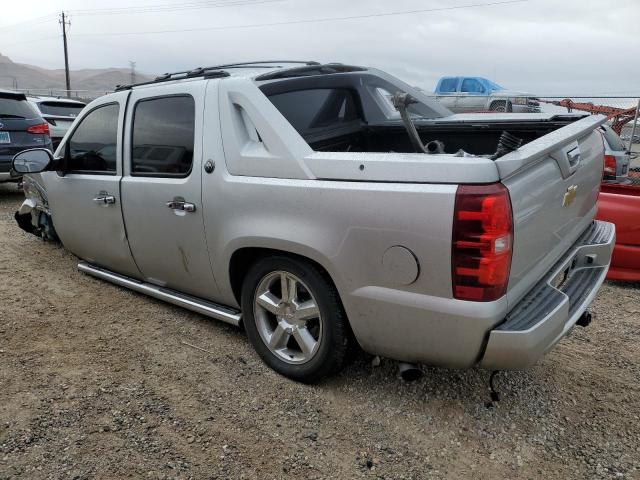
<point>310,70</point>
<point>216,71</point>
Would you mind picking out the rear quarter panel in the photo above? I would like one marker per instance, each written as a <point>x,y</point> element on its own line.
<point>344,226</point>
<point>347,227</point>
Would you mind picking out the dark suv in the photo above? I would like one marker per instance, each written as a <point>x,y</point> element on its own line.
<point>21,127</point>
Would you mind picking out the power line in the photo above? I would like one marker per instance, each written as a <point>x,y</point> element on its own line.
<point>169,7</point>
<point>159,8</point>
<point>30,22</point>
<point>33,40</point>
<point>311,20</point>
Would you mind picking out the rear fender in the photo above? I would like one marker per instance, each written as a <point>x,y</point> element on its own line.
<point>280,244</point>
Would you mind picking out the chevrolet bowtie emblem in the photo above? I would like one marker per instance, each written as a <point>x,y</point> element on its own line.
<point>570,195</point>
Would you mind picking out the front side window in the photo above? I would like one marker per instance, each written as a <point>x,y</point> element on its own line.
<point>163,137</point>
<point>92,147</point>
<point>471,85</point>
<point>449,85</point>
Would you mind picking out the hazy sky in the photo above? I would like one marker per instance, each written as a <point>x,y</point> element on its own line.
<point>541,46</point>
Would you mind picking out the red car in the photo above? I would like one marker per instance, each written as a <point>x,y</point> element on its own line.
<point>620,204</point>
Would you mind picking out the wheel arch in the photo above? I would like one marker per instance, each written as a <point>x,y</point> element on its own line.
<point>243,257</point>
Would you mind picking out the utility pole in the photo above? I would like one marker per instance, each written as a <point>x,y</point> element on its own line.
<point>133,71</point>
<point>64,21</point>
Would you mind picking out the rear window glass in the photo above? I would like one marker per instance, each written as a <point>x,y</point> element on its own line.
<point>448,85</point>
<point>11,107</point>
<point>321,108</point>
<point>60,109</point>
<point>614,141</point>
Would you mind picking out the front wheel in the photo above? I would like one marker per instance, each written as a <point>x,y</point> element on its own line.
<point>294,318</point>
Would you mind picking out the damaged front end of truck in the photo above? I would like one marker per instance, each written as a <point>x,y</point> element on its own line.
<point>34,215</point>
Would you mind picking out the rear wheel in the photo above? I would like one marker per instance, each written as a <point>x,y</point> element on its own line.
<point>294,318</point>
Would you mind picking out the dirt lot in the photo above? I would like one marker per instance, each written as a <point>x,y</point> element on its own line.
<point>96,382</point>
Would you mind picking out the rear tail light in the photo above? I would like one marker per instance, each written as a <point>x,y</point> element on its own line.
<point>482,242</point>
<point>40,129</point>
<point>609,172</point>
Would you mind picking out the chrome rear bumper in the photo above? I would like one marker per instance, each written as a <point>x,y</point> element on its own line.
<point>549,311</point>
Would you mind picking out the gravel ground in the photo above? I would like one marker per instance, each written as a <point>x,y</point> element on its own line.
<point>100,382</point>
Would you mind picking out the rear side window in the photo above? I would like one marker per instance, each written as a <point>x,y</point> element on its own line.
<point>163,137</point>
<point>471,85</point>
<point>92,147</point>
<point>320,108</point>
<point>448,85</point>
<point>60,109</point>
<point>16,108</point>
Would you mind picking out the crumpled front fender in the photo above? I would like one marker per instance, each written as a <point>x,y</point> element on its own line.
<point>28,206</point>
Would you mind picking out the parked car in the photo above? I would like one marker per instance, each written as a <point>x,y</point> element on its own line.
<point>59,113</point>
<point>620,204</point>
<point>303,205</point>
<point>476,94</point>
<point>21,127</point>
<point>616,156</point>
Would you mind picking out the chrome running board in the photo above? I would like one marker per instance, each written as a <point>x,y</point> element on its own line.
<point>195,304</point>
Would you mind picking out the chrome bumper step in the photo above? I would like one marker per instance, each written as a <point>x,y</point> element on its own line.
<point>174,297</point>
<point>550,310</point>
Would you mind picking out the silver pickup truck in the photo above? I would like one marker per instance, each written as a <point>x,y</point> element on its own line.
<point>318,205</point>
<point>478,94</point>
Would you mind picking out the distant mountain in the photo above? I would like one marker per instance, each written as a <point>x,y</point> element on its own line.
<point>32,77</point>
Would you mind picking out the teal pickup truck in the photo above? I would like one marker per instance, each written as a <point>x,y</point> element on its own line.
<point>477,94</point>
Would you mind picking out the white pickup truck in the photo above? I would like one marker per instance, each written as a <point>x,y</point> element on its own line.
<point>321,205</point>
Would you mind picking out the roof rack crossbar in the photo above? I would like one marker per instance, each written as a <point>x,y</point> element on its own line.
<point>319,69</point>
<point>243,64</point>
<point>207,71</point>
<point>198,72</point>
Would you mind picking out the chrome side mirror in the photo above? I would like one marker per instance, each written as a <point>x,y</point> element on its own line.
<point>33,160</point>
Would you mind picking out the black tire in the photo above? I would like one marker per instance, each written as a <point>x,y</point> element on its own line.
<point>334,338</point>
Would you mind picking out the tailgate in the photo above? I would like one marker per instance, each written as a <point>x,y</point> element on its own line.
<point>553,183</point>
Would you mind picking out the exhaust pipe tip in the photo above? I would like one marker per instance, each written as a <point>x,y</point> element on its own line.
<point>585,319</point>
<point>409,372</point>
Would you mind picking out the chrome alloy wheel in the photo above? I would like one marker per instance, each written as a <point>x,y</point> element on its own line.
<point>287,317</point>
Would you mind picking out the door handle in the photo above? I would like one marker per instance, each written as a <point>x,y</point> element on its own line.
<point>181,205</point>
<point>103,198</point>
